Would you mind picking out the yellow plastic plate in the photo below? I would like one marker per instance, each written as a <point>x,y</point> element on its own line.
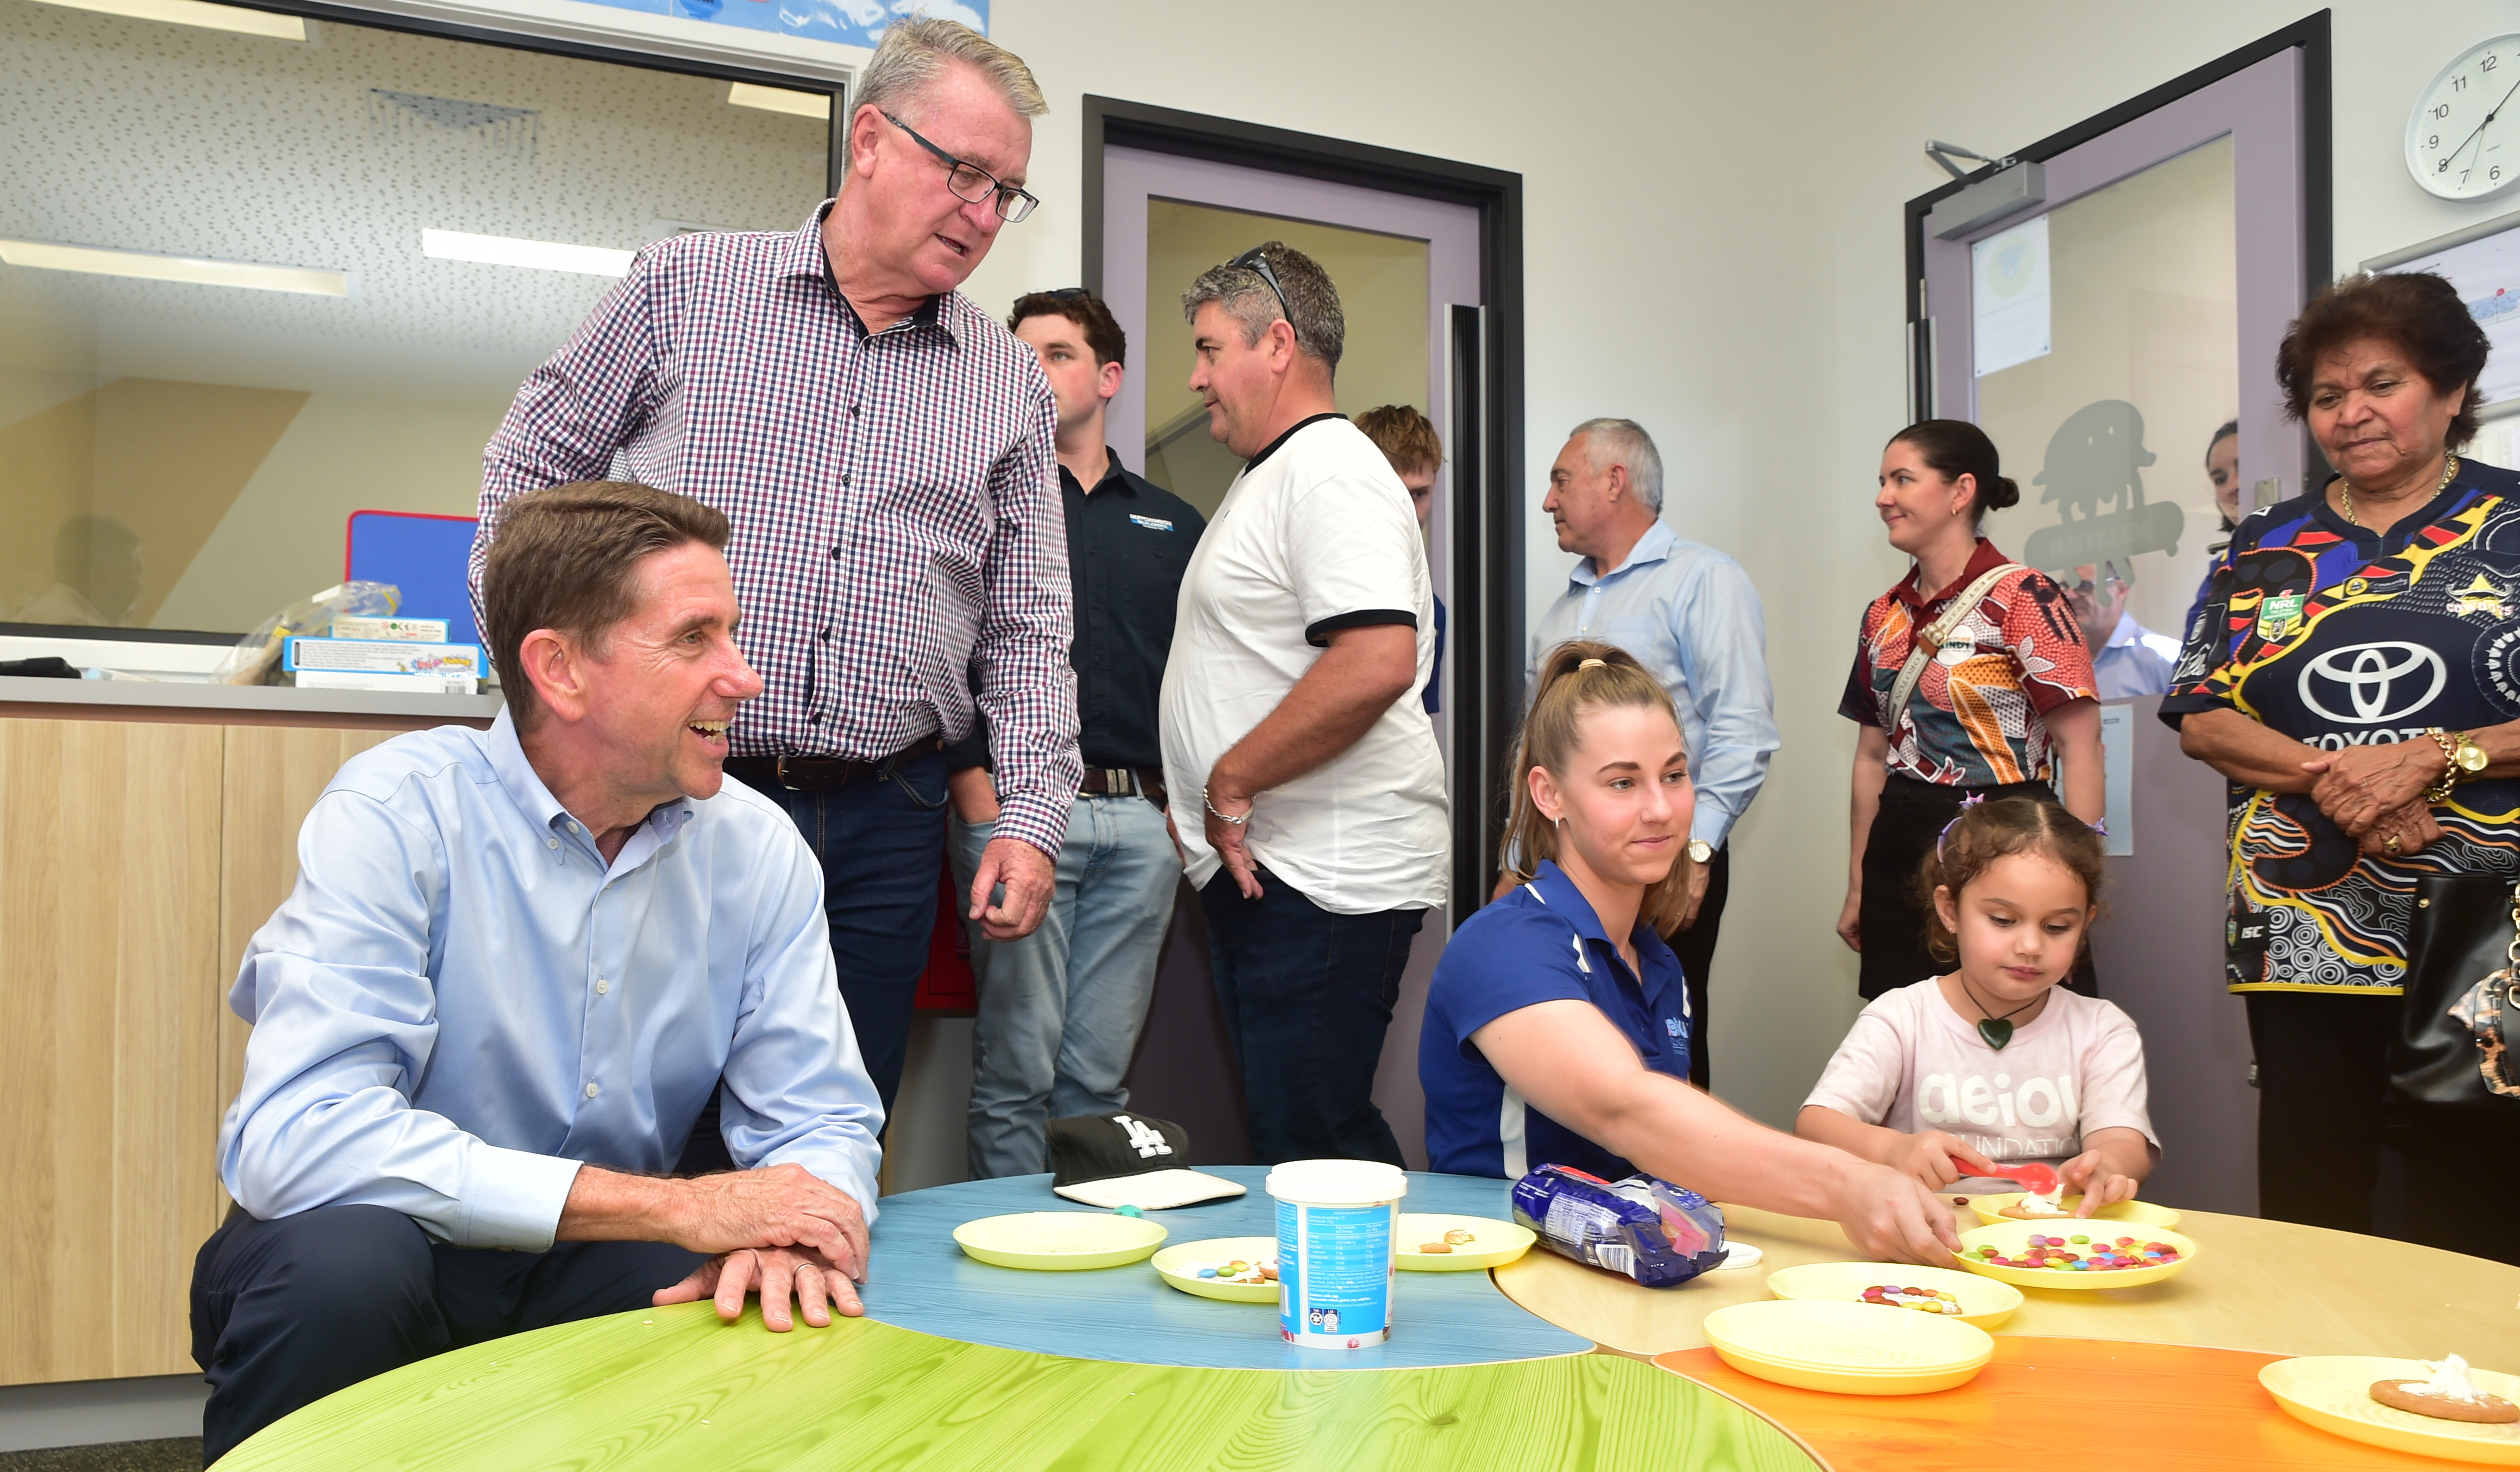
<point>2334,1392</point>
<point>1059,1241</point>
<point>1852,1349</point>
<point>1492,1244</point>
<point>1984,1302</point>
<point>1180,1263</point>
<point>2012,1239</point>
<point>1990,1210</point>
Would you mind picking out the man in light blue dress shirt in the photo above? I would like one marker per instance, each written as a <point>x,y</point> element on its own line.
<point>1691,615</point>
<point>514,966</point>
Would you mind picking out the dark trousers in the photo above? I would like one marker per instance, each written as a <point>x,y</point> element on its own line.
<point>286,1312</point>
<point>882,843</point>
<point>1894,915</point>
<point>2326,1120</point>
<point>1307,995</point>
<point>1696,948</point>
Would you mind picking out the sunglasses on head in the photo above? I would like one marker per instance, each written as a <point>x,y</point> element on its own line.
<point>1254,262</point>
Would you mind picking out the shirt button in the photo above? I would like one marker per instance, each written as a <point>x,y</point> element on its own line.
<point>845,479</point>
<point>593,1090</point>
<point>835,554</point>
<point>551,843</point>
<point>853,411</point>
<point>827,636</point>
<point>816,719</point>
<point>602,986</point>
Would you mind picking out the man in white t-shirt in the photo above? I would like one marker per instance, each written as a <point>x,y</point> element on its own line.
<point>1305,785</point>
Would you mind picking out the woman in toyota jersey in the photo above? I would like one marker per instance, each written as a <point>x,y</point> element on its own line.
<point>2355,674</point>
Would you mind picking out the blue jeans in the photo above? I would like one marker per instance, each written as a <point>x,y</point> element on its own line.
<point>1307,995</point>
<point>1060,1009</point>
<point>882,843</point>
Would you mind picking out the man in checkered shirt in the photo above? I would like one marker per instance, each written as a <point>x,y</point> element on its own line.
<point>883,450</point>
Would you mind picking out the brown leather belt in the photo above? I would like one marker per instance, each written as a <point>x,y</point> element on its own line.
<point>1123,782</point>
<point>803,773</point>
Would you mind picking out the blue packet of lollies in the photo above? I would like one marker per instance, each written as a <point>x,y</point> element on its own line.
<point>1659,1234</point>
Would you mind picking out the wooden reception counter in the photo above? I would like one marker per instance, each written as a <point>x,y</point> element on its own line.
<point>146,831</point>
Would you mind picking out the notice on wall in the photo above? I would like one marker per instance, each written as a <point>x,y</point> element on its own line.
<point>2487,276</point>
<point>2117,765</point>
<point>2009,301</point>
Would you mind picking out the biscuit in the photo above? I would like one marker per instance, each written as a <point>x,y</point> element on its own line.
<point>2493,1411</point>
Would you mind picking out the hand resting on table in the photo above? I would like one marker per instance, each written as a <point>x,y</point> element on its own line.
<point>782,1230</point>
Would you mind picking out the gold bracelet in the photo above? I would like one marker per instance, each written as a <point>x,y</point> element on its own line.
<point>2439,792</point>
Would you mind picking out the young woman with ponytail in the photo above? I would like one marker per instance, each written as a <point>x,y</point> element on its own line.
<point>1557,1025</point>
<point>1970,677</point>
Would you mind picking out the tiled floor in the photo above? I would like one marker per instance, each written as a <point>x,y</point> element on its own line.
<point>181,1454</point>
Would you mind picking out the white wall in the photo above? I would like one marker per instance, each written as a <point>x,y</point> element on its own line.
<point>1713,246</point>
<point>1627,231</point>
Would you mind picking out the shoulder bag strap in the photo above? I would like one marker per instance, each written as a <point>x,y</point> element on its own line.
<point>1930,638</point>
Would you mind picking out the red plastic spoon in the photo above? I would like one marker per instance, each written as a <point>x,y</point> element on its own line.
<point>2036,1177</point>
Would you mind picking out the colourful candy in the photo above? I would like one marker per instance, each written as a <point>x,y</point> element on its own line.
<point>1924,1300</point>
<point>2058,1254</point>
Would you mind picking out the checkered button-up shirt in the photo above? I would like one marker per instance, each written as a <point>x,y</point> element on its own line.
<point>894,499</point>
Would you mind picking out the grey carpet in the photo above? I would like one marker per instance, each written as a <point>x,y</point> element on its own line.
<point>182,1453</point>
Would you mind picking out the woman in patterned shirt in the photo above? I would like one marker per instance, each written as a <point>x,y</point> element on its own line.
<point>2009,687</point>
<point>2378,623</point>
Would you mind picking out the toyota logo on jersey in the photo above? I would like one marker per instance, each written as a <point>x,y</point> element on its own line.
<point>2365,684</point>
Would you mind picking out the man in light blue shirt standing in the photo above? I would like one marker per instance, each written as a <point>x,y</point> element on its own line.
<point>514,966</point>
<point>1691,615</point>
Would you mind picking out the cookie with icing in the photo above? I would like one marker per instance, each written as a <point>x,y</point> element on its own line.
<point>2410,1396</point>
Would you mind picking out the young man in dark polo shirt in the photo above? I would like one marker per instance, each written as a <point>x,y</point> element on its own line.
<point>1060,1009</point>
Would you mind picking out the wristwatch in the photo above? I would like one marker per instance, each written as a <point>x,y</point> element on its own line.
<point>1701,851</point>
<point>2464,758</point>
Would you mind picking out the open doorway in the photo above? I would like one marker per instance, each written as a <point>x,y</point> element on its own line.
<point>1426,255</point>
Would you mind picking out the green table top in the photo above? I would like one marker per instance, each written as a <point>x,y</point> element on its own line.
<point>674,1387</point>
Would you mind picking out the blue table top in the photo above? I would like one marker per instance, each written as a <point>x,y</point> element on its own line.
<point>918,1279</point>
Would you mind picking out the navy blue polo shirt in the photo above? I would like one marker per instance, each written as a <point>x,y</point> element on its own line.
<point>1541,943</point>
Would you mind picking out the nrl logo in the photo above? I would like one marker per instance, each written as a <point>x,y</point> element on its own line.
<point>2481,597</point>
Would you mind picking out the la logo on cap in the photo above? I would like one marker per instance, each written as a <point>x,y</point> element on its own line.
<point>1143,1138</point>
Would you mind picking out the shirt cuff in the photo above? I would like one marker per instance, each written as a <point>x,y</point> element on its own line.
<point>1711,823</point>
<point>512,1198</point>
<point>1035,819</point>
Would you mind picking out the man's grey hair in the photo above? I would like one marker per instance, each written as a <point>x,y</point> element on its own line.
<point>1624,441</point>
<point>1311,307</point>
<point>916,51</point>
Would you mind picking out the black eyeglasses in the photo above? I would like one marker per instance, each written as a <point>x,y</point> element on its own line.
<point>1252,260</point>
<point>972,184</point>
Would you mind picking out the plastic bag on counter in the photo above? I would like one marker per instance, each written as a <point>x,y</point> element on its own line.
<point>1659,1234</point>
<point>255,659</point>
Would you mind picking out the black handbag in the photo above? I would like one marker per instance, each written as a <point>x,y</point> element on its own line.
<point>2462,973</point>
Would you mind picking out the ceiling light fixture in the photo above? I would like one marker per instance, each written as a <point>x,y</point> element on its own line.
<point>813,105</point>
<point>235,18</point>
<point>192,270</point>
<point>540,255</point>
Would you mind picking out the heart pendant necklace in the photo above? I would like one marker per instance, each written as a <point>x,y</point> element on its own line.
<point>1997,1031</point>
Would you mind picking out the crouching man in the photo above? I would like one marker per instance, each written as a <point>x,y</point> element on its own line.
<point>516,965</point>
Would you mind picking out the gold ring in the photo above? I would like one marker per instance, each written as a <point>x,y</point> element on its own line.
<point>2391,845</point>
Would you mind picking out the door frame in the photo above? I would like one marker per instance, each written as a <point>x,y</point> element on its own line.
<point>2314,148</point>
<point>1485,637</point>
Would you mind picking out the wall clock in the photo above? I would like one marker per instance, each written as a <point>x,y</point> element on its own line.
<point>2463,139</point>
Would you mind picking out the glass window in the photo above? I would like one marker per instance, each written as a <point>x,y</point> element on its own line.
<point>2108,431</point>
<point>251,283</point>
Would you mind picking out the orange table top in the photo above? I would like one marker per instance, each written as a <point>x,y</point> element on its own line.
<point>2061,1402</point>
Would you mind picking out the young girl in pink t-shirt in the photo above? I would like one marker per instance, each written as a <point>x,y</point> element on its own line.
<point>1994,1063</point>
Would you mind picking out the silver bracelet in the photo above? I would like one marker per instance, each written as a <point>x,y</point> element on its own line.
<point>1222,817</point>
